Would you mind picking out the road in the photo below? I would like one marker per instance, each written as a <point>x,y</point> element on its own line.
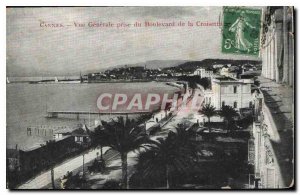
<point>184,115</point>
<point>60,170</point>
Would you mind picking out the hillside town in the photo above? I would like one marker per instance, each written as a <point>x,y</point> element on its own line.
<point>197,68</point>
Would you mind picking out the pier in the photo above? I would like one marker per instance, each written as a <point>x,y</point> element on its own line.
<point>56,114</point>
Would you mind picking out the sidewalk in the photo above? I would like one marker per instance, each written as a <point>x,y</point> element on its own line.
<point>60,170</point>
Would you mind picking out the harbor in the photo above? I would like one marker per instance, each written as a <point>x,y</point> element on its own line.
<point>51,105</point>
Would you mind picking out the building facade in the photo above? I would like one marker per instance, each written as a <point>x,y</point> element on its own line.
<point>228,73</point>
<point>273,127</point>
<point>273,146</point>
<point>278,45</point>
<point>204,73</point>
<point>231,92</point>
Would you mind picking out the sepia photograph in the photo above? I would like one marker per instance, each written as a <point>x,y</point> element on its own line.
<point>150,98</point>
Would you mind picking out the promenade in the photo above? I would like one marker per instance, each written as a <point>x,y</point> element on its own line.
<point>60,170</point>
<point>44,179</point>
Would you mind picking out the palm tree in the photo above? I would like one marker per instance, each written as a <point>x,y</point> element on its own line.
<point>209,111</point>
<point>167,108</point>
<point>123,136</point>
<point>51,152</point>
<point>99,139</point>
<point>173,155</point>
<point>228,113</point>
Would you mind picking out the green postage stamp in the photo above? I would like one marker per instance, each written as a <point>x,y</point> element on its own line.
<point>241,31</point>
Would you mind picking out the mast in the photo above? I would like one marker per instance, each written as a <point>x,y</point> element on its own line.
<point>81,79</point>
<point>89,117</point>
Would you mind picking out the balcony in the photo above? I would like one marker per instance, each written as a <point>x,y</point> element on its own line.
<point>278,112</point>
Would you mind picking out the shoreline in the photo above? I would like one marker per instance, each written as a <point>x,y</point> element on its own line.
<point>82,120</point>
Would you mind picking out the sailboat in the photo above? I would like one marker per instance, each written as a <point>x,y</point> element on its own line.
<point>7,81</point>
<point>56,80</point>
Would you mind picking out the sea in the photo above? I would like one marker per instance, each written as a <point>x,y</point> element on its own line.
<point>27,106</point>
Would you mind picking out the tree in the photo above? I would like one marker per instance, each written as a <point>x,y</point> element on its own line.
<point>99,139</point>
<point>123,136</point>
<point>112,185</point>
<point>166,157</point>
<point>51,152</point>
<point>209,111</point>
<point>228,113</point>
<point>167,108</point>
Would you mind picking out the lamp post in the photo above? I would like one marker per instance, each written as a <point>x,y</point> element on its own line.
<point>83,164</point>
<point>250,183</point>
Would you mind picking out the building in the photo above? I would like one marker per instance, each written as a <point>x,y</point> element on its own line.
<point>278,45</point>
<point>231,92</point>
<point>204,73</point>
<point>228,73</point>
<point>13,159</point>
<point>81,137</point>
<point>273,127</point>
<point>218,66</point>
<point>61,132</point>
<point>232,74</point>
<point>35,159</point>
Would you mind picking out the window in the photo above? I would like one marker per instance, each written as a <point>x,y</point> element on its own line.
<point>250,105</point>
<point>234,89</point>
<point>223,103</point>
<point>235,104</point>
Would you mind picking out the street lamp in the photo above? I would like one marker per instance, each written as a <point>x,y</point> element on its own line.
<point>83,164</point>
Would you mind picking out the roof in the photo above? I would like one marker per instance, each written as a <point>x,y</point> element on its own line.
<point>225,79</point>
<point>62,138</point>
<point>33,147</point>
<point>63,130</point>
<point>40,145</point>
<point>80,132</point>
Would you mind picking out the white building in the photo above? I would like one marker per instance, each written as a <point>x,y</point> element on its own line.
<point>60,132</point>
<point>218,66</point>
<point>204,73</point>
<point>278,45</point>
<point>231,92</point>
<point>272,157</point>
<point>224,71</point>
<point>227,73</point>
<point>273,129</point>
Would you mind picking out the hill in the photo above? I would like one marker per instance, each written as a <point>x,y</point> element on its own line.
<point>208,63</point>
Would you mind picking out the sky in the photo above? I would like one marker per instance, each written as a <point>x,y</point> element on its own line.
<point>33,50</point>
